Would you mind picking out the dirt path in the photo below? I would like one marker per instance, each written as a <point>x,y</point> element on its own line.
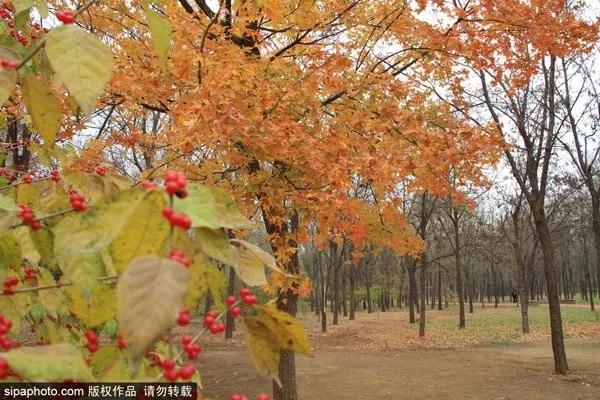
<point>520,372</point>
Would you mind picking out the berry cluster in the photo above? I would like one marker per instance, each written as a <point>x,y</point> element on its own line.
<point>65,16</point>
<point>184,317</point>
<point>192,349</point>
<point>9,284</point>
<point>177,219</point>
<point>100,170</point>
<point>55,176</point>
<point>175,184</point>
<point>92,340</point>
<point>179,257</point>
<point>30,273</point>
<point>27,179</point>
<point>28,217</point>
<point>247,297</point>
<point>171,373</point>
<point>214,326</point>
<point>236,396</point>
<point>5,326</point>
<point>231,300</point>
<point>77,201</point>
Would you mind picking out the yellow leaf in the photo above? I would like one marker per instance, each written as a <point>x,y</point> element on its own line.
<point>264,350</point>
<point>286,329</point>
<point>44,108</point>
<point>99,308</point>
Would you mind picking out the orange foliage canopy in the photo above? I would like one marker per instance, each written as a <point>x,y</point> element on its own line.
<point>323,107</point>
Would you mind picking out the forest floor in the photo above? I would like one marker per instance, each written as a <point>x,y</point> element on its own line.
<point>380,356</point>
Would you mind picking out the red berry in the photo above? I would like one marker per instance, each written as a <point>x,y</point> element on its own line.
<point>35,225</point>
<point>3,363</point>
<point>101,171</point>
<point>245,292</point>
<point>209,320</point>
<point>168,213</point>
<point>185,340</point>
<point>9,64</point>
<point>213,314</point>
<point>262,396</point>
<point>235,397</point>
<point>236,311</point>
<point>249,300</point>
<point>181,193</point>
<point>65,16</point>
<point>5,343</point>
<point>91,336</point>
<point>92,347</point>
<point>121,342</point>
<point>171,187</point>
<point>187,371</point>
<point>168,364</point>
<point>230,300</point>
<point>27,179</point>
<point>171,375</point>
<point>184,318</point>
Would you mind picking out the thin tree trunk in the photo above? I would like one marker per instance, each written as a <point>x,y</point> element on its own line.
<point>230,327</point>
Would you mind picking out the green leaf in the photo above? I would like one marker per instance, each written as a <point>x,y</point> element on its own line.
<point>42,8</point>
<point>81,61</point>
<point>56,362</point>
<point>211,208</point>
<point>43,240</point>
<point>100,307</point>
<point>28,249</point>
<point>250,262</point>
<point>143,233</point>
<point>8,80</point>
<point>81,239</point>
<point>7,204</point>
<point>22,5</point>
<point>149,298</point>
<point>44,108</point>
<point>215,243</point>
<point>94,186</point>
<point>10,311</point>
<point>160,29</point>
<point>204,277</point>
<point>10,251</point>
<point>48,298</point>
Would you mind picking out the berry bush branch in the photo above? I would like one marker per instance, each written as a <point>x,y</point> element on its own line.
<point>55,286</point>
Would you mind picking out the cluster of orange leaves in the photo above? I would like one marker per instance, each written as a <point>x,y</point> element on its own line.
<point>336,163</point>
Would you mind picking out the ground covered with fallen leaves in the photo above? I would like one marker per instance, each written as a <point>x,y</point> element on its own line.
<point>380,356</point>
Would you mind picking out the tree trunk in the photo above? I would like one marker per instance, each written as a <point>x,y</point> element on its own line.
<point>230,327</point>
<point>459,282</point>
<point>412,289</point>
<point>352,299</point>
<point>423,279</point>
<point>439,288</point>
<point>556,328</point>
